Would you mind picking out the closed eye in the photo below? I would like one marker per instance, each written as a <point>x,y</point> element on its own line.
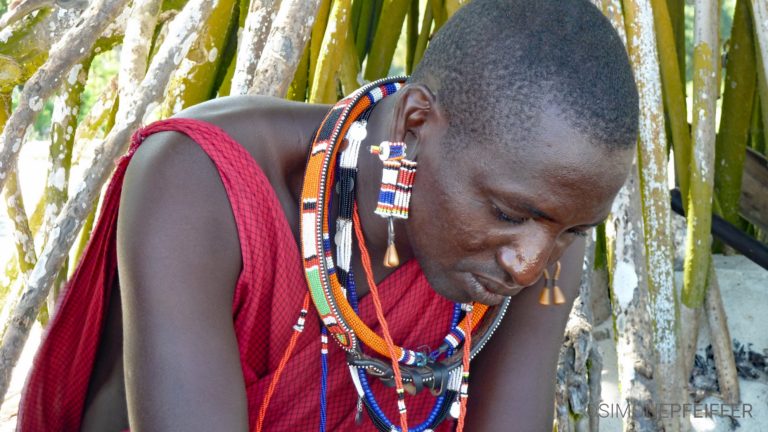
<point>578,232</point>
<point>516,220</point>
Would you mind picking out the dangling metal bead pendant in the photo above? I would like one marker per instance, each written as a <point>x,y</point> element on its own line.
<point>391,259</point>
<point>455,409</point>
<point>395,191</point>
<point>545,297</point>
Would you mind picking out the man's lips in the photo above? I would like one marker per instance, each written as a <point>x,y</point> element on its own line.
<point>496,287</point>
<point>479,293</point>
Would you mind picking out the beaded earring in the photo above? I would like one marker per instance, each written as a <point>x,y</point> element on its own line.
<point>544,298</point>
<point>397,179</point>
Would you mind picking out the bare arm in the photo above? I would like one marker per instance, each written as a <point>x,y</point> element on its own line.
<point>512,382</point>
<point>179,259</point>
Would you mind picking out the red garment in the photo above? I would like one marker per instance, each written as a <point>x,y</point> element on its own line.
<point>267,300</point>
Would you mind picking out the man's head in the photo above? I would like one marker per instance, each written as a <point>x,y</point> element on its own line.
<point>523,118</point>
<point>497,64</point>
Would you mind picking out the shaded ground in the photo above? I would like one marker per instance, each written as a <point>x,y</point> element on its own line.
<point>744,289</point>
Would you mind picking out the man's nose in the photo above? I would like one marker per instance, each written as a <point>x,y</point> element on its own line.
<point>525,261</point>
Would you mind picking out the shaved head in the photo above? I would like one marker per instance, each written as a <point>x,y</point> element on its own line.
<point>496,65</point>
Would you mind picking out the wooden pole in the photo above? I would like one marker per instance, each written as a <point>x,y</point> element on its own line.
<point>254,37</point>
<point>281,55</point>
<point>652,160</point>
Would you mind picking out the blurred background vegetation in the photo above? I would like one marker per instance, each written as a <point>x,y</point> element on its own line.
<point>350,42</point>
<point>105,66</point>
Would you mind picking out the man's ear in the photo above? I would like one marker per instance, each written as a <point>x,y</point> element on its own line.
<point>416,107</point>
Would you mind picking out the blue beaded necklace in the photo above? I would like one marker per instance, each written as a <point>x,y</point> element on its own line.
<point>439,410</point>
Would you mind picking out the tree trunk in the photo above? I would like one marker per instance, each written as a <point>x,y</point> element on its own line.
<point>706,59</point>
<point>284,47</point>
<point>139,28</point>
<point>257,27</point>
<point>580,364</point>
<point>324,88</point>
<point>630,301</point>
<point>720,338</point>
<point>64,121</point>
<point>652,157</point>
<point>75,46</point>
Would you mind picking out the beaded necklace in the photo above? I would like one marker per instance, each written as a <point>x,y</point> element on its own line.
<point>325,279</point>
<point>346,173</point>
<point>321,273</point>
<point>331,285</point>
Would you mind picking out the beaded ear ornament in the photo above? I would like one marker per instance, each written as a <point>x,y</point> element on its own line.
<point>445,371</point>
<point>397,177</point>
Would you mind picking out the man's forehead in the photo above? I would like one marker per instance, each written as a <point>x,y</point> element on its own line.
<point>558,195</point>
<point>554,157</point>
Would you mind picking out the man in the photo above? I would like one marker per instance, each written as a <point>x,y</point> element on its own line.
<point>523,118</point>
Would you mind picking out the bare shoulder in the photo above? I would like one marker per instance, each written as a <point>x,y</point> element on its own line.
<point>173,199</point>
<point>173,193</point>
<point>263,125</point>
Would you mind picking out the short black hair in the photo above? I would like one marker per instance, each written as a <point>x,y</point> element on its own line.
<point>498,63</point>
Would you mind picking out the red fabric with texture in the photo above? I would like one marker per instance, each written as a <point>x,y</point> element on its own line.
<point>268,296</point>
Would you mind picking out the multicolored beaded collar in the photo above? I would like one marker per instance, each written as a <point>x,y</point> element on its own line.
<point>444,372</point>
